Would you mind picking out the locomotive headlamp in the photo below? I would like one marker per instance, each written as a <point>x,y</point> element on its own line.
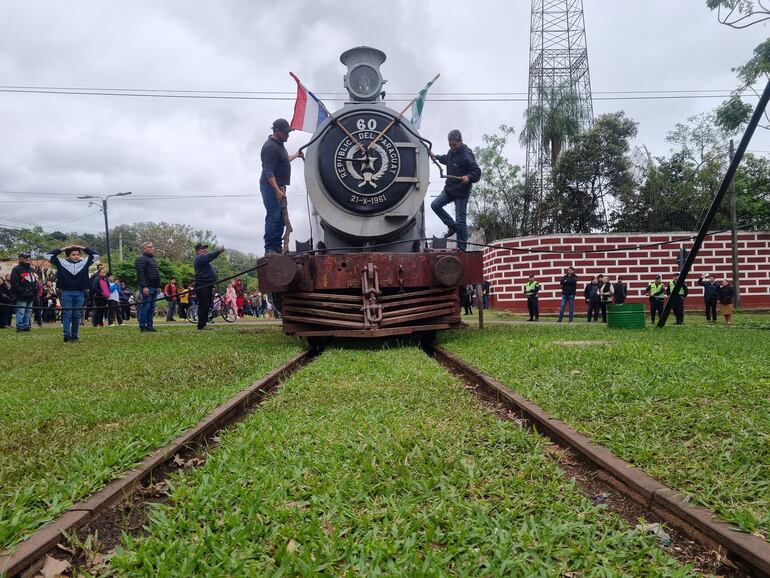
<point>363,80</point>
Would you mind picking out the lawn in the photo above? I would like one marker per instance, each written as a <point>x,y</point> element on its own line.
<point>378,462</point>
<point>690,405</point>
<point>74,416</point>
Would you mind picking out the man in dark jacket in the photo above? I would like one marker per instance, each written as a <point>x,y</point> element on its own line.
<point>24,287</point>
<point>593,299</point>
<point>72,281</point>
<point>462,171</point>
<point>205,279</point>
<point>678,300</point>
<point>148,275</point>
<point>710,296</point>
<point>568,289</point>
<point>619,292</point>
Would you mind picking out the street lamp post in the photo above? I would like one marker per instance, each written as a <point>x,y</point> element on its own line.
<point>106,222</point>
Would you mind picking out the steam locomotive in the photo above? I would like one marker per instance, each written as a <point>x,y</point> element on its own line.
<point>372,272</point>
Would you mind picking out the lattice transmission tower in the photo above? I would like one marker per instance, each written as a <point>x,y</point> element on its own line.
<point>559,103</point>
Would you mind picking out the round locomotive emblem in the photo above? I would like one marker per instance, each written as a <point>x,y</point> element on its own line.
<point>367,163</point>
<point>367,169</point>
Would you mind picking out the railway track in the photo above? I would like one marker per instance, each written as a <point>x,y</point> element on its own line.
<point>749,553</point>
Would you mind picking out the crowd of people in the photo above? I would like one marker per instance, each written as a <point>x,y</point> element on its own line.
<point>75,296</point>
<point>601,291</point>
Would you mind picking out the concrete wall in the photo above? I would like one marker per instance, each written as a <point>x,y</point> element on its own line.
<point>507,270</point>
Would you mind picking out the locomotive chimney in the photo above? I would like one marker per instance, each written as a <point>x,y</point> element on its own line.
<point>363,80</point>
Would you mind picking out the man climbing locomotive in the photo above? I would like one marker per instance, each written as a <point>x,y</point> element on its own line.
<point>462,172</point>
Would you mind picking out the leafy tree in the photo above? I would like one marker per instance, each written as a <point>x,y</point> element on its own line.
<point>741,14</point>
<point>500,206</point>
<point>554,123</point>
<point>752,184</point>
<point>171,240</point>
<point>590,175</point>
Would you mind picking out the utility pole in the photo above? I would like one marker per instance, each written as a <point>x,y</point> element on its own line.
<point>120,245</point>
<point>106,221</point>
<point>734,231</point>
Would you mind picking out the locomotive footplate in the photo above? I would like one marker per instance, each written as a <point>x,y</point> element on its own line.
<point>369,294</point>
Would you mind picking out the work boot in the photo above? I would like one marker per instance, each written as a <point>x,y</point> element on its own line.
<point>450,231</point>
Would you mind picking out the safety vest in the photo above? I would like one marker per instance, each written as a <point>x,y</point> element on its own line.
<point>657,289</point>
<point>682,291</point>
<point>530,286</point>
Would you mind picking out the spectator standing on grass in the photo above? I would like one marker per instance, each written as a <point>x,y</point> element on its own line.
<point>73,282</point>
<point>710,296</point>
<point>114,311</point>
<point>125,301</point>
<point>485,290</point>
<point>24,287</point>
<point>656,291</point>
<point>100,288</point>
<point>619,292</point>
<point>593,299</point>
<point>240,292</point>
<point>568,290</point>
<point>231,299</point>
<point>726,296</point>
<point>6,304</point>
<point>678,300</point>
<point>172,296</point>
<point>38,303</point>
<point>184,301</point>
<point>606,292</point>
<point>531,289</point>
<point>148,275</point>
<point>205,279</point>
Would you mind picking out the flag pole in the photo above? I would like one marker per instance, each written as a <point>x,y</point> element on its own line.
<point>392,122</point>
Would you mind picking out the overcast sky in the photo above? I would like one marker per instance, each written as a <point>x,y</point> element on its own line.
<point>180,147</point>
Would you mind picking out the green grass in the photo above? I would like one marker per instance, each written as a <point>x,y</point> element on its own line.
<point>689,405</point>
<point>379,463</point>
<point>74,416</point>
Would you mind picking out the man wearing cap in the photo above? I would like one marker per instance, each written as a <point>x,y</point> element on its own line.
<point>276,176</point>
<point>678,299</point>
<point>24,287</point>
<point>205,279</point>
<point>462,171</point>
<point>656,291</point>
<point>72,280</point>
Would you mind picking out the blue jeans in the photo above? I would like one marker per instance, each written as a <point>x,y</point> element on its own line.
<point>460,222</point>
<point>147,308</point>
<point>71,302</point>
<point>273,219</point>
<point>23,313</point>
<point>564,300</point>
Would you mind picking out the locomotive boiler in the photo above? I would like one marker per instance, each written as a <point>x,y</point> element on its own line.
<point>372,272</point>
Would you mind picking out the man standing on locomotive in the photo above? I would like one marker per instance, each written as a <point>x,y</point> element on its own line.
<point>276,176</point>
<point>462,171</point>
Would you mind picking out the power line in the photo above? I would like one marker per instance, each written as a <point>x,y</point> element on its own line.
<point>289,98</point>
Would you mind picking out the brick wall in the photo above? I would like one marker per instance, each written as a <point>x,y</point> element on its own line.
<point>507,271</point>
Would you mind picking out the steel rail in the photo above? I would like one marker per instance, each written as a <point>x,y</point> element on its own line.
<point>747,550</point>
<point>29,553</point>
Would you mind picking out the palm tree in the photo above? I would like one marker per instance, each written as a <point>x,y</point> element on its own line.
<point>554,122</point>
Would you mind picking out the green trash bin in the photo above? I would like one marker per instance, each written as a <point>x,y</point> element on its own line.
<point>626,316</point>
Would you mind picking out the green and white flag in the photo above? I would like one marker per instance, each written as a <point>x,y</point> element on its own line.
<point>419,103</point>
